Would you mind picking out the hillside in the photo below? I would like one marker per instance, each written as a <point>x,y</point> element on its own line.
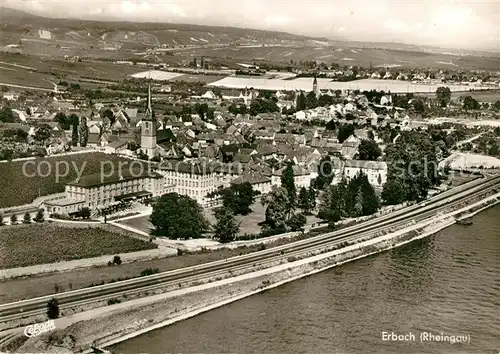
<point>21,27</point>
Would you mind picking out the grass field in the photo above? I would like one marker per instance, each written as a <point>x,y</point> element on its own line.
<point>25,245</point>
<point>24,181</point>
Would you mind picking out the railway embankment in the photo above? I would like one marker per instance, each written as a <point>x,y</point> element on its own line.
<point>105,326</point>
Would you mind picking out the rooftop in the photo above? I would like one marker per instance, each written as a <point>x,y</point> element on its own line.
<point>99,179</point>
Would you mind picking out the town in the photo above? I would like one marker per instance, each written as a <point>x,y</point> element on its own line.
<point>128,173</point>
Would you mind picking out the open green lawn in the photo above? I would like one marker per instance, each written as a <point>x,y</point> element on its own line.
<point>25,245</point>
<point>23,185</point>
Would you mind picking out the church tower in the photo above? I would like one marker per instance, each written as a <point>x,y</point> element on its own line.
<point>315,86</point>
<point>148,129</point>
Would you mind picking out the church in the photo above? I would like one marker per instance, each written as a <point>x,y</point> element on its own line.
<point>148,130</point>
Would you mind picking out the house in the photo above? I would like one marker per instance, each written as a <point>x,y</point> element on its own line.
<point>301,177</point>
<point>209,95</point>
<point>166,88</point>
<point>376,171</point>
<point>116,147</point>
<point>258,181</point>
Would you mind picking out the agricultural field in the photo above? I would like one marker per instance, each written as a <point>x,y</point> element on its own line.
<point>24,181</point>
<point>26,245</point>
<point>36,71</point>
<point>24,77</point>
<point>350,56</point>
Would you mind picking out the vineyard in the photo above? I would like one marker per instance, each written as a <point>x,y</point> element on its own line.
<point>24,181</point>
<point>26,245</point>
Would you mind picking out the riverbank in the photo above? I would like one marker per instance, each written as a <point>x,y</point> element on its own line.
<point>116,323</point>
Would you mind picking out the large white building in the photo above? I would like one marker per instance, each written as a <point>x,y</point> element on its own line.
<point>102,190</point>
<point>376,171</point>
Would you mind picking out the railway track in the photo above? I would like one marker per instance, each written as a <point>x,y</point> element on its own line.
<point>364,230</point>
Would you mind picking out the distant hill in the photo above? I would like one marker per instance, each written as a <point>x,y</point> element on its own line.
<point>16,23</point>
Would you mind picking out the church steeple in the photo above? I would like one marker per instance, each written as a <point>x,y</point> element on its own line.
<point>148,129</point>
<point>149,107</point>
<point>315,86</point>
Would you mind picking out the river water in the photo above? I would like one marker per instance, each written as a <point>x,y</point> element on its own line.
<point>448,283</point>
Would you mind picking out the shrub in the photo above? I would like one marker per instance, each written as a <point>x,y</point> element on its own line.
<point>110,263</point>
<point>2,223</point>
<point>113,301</point>
<point>149,271</point>
<point>180,252</point>
<point>53,309</point>
<point>117,260</point>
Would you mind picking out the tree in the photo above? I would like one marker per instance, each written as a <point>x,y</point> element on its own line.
<point>226,228</point>
<point>84,132</point>
<point>238,198</point>
<point>6,115</point>
<point>288,182</point>
<point>443,95</point>
<point>53,309</point>
<point>108,113</point>
<point>471,103</point>
<point>304,202</point>
<point>325,173</point>
<point>370,200</point>
<point>276,202</point>
<point>74,135</point>
<point>42,134</point>
<point>84,213</point>
<point>358,206</point>
<point>63,121</point>
<point>419,106</point>
<point>13,219</point>
<point>345,131</point>
<point>497,105</point>
<point>27,218</point>
<point>369,150</point>
<point>393,192</point>
<point>297,222</point>
<point>301,102</point>
<point>39,216</point>
<point>312,197</point>
<point>2,223</point>
<point>311,100</point>
<point>117,260</point>
<point>178,217</point>
<point>413,161</point>
<point>332,203</point>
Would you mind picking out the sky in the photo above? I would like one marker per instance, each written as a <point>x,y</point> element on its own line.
<point>451,23</point>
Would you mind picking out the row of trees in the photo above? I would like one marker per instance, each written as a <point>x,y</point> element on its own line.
<point>26,219</point>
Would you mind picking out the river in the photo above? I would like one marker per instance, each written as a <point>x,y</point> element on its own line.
<point>448,283</point>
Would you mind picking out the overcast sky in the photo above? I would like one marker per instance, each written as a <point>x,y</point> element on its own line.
<point>433,22</point>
